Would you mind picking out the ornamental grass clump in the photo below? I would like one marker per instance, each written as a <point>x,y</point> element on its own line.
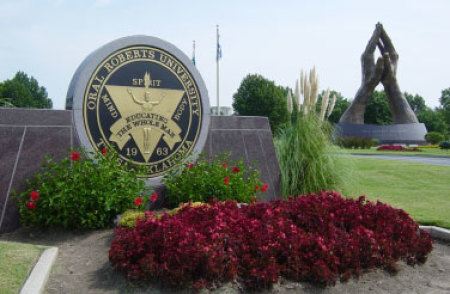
<point>307,158</point>
<point>81,192</point>
<point>218,177</point>
<point>306,94</point>
<point>314,238</point>
<point>304,150</point>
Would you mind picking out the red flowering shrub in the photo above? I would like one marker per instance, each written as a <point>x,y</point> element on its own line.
<point>396,148</point>
<point>314,238</point>
<point>75,156</point>
<point>138,201</point>
<point>154,197</point>
<point>34,195</point>
<point>216,177</point>
<point>80,191</point>
<point>31,205</point>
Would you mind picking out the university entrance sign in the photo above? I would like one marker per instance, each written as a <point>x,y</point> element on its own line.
<point>144,98</point>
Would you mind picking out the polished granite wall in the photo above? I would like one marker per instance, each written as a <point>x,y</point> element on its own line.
<point>249,138</point>
<point>386,134</point>
<point>27,135</point>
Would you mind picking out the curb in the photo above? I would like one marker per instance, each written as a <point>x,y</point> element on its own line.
<point>437,232</point>
<point>35,282</point>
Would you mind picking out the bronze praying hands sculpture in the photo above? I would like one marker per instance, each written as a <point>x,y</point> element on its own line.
<point>384,71</point>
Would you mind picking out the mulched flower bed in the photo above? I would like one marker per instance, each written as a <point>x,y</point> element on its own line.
<point>314,238</point>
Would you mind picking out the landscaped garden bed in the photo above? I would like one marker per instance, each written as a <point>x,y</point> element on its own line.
<point>397,148</point>
<point>316,238</point>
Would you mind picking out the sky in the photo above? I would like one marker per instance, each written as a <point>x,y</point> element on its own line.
<point>48,39</point>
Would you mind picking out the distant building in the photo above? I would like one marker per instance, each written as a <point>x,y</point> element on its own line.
<point>224,110</point>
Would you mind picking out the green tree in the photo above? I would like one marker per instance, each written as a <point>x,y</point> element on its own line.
<point>445,98</point>
<point>433,120</point>
<point>24,91</point>
<point>445,106</point>
<point>257,96</point>
<point>377,110</point>
<point>416,102</point>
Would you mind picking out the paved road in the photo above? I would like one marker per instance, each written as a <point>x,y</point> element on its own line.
<point>409,158</point>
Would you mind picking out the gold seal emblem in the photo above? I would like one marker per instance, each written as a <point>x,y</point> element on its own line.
<point>143,102</point>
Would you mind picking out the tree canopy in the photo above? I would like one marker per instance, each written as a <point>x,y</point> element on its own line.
<point>377,110</point>
<point>24,91</point>
<point>257,96</point>
<point>445,106</point>
<point>433,119</point>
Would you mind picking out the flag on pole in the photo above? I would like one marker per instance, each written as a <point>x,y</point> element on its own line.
<point>193,52</point>
<point>219,48</point>
<point>218,56</point>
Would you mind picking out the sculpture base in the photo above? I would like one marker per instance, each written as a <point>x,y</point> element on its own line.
<point>387,134</point>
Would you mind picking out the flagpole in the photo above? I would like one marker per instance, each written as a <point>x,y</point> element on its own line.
<point>193,52</point>
<point>217,60</point>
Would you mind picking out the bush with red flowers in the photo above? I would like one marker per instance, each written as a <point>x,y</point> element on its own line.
<point>397,148</point>
<point>81,192</point>
<point>218,177</point>
<point>314,238</point>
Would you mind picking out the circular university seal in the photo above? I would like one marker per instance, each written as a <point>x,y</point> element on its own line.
<point>144,98</point>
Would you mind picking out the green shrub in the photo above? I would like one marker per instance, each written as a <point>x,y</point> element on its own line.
<point>356,142</point>
<point>444,145</point>
<point>434,137</point>
<point>305,156</point>
<point>220,177</point>
<point>375,142</point>
<point>81,192</point>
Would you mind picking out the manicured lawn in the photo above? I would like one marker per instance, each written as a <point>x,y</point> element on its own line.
<point>424,152</point>
<point>16,262</point>
<point>421,190</point>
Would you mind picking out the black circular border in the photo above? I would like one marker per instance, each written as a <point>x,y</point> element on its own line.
<point>84,72</point>
<point>161,165</point>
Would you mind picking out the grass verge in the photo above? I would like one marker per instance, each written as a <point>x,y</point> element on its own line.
<point>16,262</point>
<point>424,152</point>
<point>421,190</point>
